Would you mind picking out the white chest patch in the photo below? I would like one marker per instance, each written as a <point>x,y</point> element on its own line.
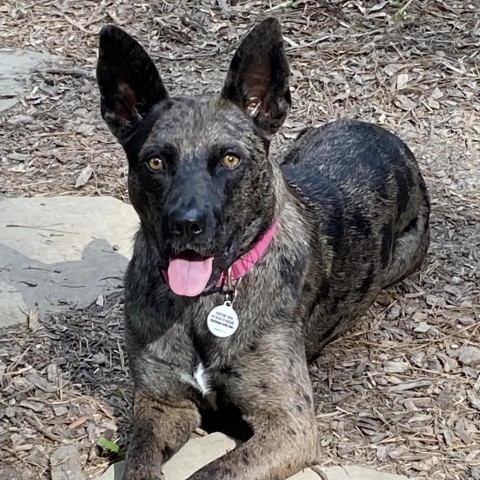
<point>201,378</point>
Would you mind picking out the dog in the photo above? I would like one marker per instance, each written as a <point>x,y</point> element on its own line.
<point>243,268</point>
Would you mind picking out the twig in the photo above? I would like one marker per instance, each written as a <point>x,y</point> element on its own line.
<point>280,5</point>
<point>77,25</point>
<point>35,423</point>
<point>401,10</point>
<point>188,57</point>
<point>18,372</point>
<point>74,72</point>
<point>332,8</point>
<point>319,472</point>
<point>18,360</point>
<point>12,225</point>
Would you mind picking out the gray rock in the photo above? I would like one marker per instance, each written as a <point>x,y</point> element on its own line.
<point>16,67</point>
<point>194,455</point>
<point>469,356</point>
<point>356,473</point>
<point>16,473</point>
<point>200,451</point>
<point>60,410</point>
<point>113,472</point>
<point>61,253</point>
<point>65,463</point>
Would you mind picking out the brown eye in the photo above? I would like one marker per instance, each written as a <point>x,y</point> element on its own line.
<point>156,163</point>
<point>230,161</point>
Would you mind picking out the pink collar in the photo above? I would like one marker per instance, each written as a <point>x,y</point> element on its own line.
<point>247,261</point>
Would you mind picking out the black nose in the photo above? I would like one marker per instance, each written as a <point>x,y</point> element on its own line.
<point>187,224</point>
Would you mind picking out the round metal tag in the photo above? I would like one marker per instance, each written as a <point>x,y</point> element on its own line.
<point>222,321</point>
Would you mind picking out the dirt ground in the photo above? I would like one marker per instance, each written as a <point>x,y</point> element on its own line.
<point>400,393</point>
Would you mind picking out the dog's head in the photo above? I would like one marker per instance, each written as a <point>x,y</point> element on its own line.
<point>199,175</point>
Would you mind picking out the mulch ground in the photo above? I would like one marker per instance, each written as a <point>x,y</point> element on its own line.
<point>401,392</point>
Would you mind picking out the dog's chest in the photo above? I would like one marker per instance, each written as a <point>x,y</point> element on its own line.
<point>202,379</point>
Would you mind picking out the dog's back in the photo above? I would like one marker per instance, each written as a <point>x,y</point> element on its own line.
<point>368,217</point>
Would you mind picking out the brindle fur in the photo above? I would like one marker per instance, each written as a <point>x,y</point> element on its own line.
<point>353,218</point>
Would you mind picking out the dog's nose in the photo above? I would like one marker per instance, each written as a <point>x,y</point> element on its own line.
<point>187,224</point>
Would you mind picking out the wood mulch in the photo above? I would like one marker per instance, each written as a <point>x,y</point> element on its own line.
<point>401,392</point>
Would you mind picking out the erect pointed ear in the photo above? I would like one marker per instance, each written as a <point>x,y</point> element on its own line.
<point>257,80</point>
<point>129,82</point>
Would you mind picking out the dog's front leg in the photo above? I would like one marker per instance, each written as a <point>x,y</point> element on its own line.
<point>279,448</point>
<point>159,430</point>
<point>272,388</point>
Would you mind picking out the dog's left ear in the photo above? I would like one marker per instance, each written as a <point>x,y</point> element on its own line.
<point>258,77</point>
<point>130,85</point>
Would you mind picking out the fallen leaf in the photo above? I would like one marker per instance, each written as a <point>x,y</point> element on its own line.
<point>84,176</point>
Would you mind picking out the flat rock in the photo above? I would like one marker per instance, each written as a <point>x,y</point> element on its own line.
<point>65,464</point>
<point>348,473</point>
<point>15,473</point>
<point>61,252</point>
<point>200,451</point>
<point>469,355</point>
<point>17,66</point>
<point>190,458</point>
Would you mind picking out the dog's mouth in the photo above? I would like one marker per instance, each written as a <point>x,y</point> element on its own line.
<point>189,273</point>
<point>194,270</point>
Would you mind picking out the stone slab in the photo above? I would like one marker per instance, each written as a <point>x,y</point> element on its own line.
<point>17,66</point>
<point>200,451</point>
<point>61,252</point>
<point>190,458</point>
<point>347,473</point>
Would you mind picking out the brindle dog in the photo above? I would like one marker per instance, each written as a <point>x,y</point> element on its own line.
<point>344,216</point>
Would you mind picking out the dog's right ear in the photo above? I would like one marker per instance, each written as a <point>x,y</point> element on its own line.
<point>258,77</point>
<point>129,82</point>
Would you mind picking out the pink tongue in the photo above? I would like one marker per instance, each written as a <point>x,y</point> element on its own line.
<point>189,277</point>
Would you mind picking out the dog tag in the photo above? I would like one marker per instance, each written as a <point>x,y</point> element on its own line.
<point>222,321</point>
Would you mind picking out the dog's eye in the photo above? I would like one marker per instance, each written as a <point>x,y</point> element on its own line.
<point>156,163</point>
<point>230,161</point>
